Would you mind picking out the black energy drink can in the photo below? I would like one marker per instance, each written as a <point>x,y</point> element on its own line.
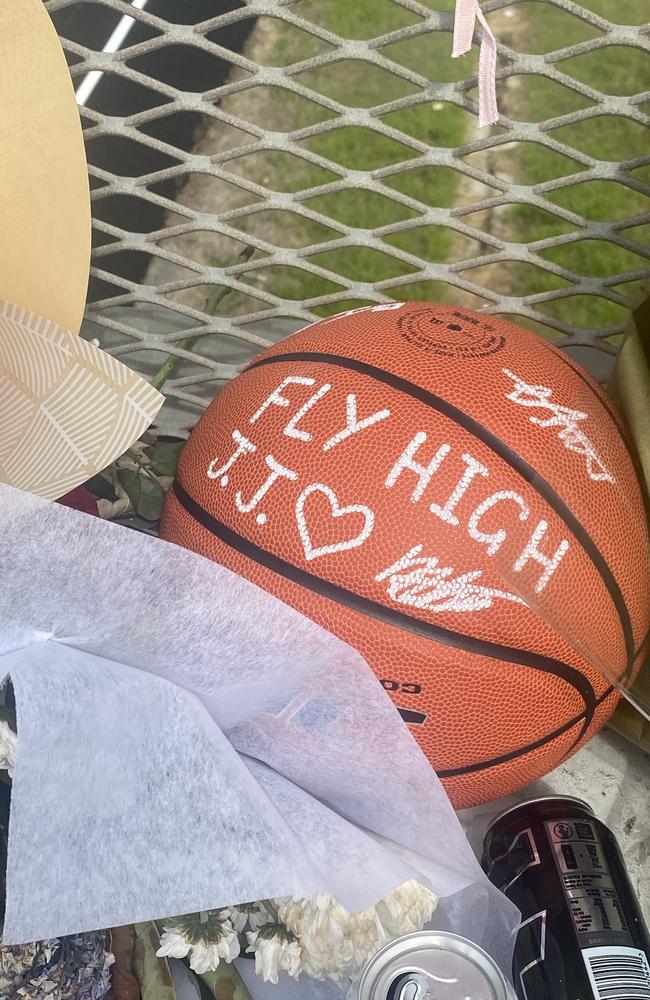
<point>582,935</point>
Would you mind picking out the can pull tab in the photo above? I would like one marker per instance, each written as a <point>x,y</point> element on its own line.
<point>412,986</point>
<point>410,991</point>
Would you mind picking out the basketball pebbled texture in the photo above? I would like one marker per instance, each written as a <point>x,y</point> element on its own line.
<point>405,475</point>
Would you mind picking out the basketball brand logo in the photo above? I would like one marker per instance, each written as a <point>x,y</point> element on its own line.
<point>461,336</point>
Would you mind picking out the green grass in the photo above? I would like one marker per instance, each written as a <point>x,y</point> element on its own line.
<point>613,70</point>
<point>357,84</point>
<point>354,83</point>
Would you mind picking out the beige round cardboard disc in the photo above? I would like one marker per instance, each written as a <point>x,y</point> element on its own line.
<point>44,199</point>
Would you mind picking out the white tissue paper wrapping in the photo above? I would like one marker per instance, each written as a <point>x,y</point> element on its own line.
<point>187,741</point>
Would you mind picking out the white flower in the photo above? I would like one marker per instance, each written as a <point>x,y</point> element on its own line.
<point>320,923</point>
<point>407,908</point>
<point>7,748</point>
<point>259,918</point>
<point>173,944</point>
<point>338,944</point>
<point>206,955</point>
<point>335,943</point>
<point>207,941</point>
<point>254,914</point>
<point>367,936</point>
<point>237,916</point>
<point>276,950</point>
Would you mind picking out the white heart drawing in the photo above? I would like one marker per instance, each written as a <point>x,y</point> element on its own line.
<point>337,511</point>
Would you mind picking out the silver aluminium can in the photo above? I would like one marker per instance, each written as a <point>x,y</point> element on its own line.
<point>431,965</point>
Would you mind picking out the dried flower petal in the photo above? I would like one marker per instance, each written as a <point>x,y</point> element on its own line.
<point>336,944</point>
<point>276,950</point>
<point>208,939</point>
<point>173,944</point>
<point>408,908</point>
<point>70,968</point>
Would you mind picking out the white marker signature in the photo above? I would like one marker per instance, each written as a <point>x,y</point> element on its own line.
<point>421,582</point>
<point>570,434</point>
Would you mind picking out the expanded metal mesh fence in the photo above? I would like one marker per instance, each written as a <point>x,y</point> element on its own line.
<point>257,165</point>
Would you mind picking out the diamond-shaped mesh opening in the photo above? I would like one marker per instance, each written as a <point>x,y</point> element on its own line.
<point>625,12</point>
<point>280,171</point>
<point>506,275</point>
<point>430,55</point>
<point>525,163</point>
<point>277,108</point>
<point>183,130</point>
<point>542,97</point>
<point>351,20</point>
<point>434,186</point>
<point>72,22</point>
<point>207,248</point>
<point>440,291</point>
<point>192,190</point>
<point>288,282</point>
<point>545,331</point>
<point>435,123</point>
<point>200,68</point>
<point>551,24</point>
<point>606,63</point>
<point>100,238</point>
<point>283,44</point>
<point>601,201</point>
<point>594,258</point>
<point>123,156</point>
<point>129,212</point>
<point>359,148</point>
<point>119,91</point>
<point>285,229</point>
<point>586,311</point>
<point>361,208</point>
<point>434,243</point>
<point>606,137</point>
<point>303,158</point>
<point>640,234</point>
<point>356,84</point>
<point>362,264</point>
<point>133,265</point>
<point>193,11</point>
<point>517,220</point>
<point>237,303</point>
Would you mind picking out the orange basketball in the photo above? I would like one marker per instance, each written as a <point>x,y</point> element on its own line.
<point>456,499</point>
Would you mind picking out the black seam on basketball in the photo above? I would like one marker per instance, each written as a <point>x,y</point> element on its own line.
<point>604,402</point>
<point>641,647</point>
<point>496,445</point>
<point>456,772</point>
<point>390,616</point>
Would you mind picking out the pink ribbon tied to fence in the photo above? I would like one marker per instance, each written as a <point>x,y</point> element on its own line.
<point>467,13</point>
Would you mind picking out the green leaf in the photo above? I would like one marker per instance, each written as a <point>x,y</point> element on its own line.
<point>149,506</point>
<point>131,481</point>
<point>224,983</point>
<point>152,972</point>
<point>145,495</point>
<point>164,457</point>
